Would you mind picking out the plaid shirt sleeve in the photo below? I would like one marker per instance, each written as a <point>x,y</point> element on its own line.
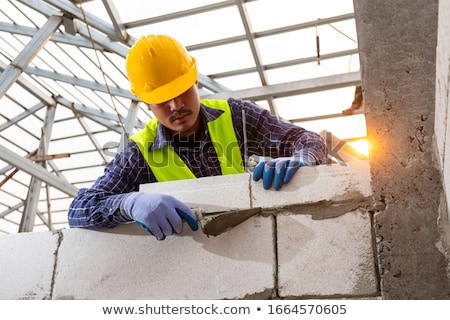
<point>269,137</point>
<point>98,207</point>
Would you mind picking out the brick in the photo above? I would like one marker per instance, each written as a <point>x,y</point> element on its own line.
<point>27,265</point>
<point>128,263</point>
<point>211,194</point>
<point>330,257</point>
<point>335,183</point>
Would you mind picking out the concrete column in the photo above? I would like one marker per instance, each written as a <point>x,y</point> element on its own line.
<point>397,42</point>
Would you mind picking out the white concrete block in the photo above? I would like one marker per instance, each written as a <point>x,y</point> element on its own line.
<point>321,183</point>
<point>442,99</point>
<point>211,194</point>
<point>442,93</point>
<point>445,167</point>
<point>26,264</point>
<point>442,116</point>
<point>128,263</point>
<point>325,257</point>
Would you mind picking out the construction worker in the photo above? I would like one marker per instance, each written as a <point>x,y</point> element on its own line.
<point>187,138</point>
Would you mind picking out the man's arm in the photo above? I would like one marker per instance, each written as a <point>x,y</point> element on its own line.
<point>289,146</point>
<point>269,137</point>
<point>115,198</point>
<point>98,207</point>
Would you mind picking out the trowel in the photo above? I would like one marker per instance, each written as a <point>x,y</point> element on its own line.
<point>215,220</point>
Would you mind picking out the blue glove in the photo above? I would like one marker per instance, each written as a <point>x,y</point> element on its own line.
<point>159,214</point>
<point>278,171</point>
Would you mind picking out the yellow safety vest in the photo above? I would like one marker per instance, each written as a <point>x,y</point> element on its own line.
<point>165,163</point>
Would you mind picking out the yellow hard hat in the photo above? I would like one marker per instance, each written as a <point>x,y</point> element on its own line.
<point>159,69</point>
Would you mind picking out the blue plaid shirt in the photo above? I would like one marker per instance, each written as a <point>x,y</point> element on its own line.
<point>98,207</point>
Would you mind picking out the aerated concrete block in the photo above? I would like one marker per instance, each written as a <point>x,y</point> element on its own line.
<point>128,263</point>
<point>26,263</point>
<point>211,194</point>
<point>333,183</point>
<point>322,258</point>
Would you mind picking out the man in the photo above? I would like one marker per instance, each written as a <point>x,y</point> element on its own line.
<point>188,138</point>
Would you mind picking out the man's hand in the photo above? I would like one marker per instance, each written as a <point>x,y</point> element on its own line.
<point>159,214</point>
<point>278,171</point>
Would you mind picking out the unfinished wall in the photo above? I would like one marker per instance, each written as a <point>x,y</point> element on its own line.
<point>397,41</point>
<point>313,239</point>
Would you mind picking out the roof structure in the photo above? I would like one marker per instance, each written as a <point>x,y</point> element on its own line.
<point>65,104</point>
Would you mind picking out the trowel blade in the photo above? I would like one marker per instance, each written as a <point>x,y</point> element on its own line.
<point>216,223</point>
<point>208,208</point>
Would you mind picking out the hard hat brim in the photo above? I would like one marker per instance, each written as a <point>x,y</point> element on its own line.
<point>172,89</point>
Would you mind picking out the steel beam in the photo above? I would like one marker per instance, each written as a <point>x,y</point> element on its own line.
<point>22,116</point>
<point>15,69</point>
<point>93,85</point>
<point>58,37</point>
<point>292,88</point>
<point>34,189</point>
<point>107,119</point>
<point>180,14</point>
<point>91,137</point>
<point>72,9</point>
<point>31,88</point>
<point>11,209</point>
<point>284,64</point>
<point>210,84</point>
<point>116,20</point>
<point>255,52</point>
<point>129,124</point>
<point>36,170</point>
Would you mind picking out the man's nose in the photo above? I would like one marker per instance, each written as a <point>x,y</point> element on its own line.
<point>176,104</point>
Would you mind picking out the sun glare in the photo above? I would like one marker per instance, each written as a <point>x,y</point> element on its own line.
<point>361,146</point>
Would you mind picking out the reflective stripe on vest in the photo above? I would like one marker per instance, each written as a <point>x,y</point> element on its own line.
<point>166,165</point>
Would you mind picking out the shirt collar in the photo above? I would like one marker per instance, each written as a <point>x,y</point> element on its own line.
<point>163,135</point>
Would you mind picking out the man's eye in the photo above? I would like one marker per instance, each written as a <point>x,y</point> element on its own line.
<point>163,104</point>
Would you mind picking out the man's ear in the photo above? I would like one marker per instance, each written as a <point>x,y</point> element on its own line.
<point>149,106</point>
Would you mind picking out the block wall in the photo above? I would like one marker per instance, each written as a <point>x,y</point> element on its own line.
<point>312,239</point>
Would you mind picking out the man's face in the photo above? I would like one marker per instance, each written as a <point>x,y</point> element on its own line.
<point>181,114</point>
